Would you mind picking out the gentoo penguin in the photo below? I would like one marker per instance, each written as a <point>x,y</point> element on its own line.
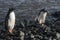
<point>42,16</point>
<point>10,20</point>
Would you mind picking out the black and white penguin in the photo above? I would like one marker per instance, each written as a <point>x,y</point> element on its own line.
<point>42,16</point>
<point>10,20</point>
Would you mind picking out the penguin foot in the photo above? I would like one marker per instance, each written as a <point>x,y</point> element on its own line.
<point>10,31</point>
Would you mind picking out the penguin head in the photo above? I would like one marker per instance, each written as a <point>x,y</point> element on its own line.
<point>11,9</point>
<point>42,11</point>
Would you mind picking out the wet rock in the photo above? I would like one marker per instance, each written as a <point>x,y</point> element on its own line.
<point>22,34</point>
<point>58,35</point>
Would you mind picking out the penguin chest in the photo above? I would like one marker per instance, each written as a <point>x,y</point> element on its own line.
<point>42,18</point>
<point>12,16</point>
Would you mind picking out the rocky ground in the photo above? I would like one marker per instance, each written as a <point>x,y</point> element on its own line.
<point>32,30</point>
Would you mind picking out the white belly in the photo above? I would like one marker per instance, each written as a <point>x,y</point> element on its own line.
<point>11,20</point>
<point>42,18</point>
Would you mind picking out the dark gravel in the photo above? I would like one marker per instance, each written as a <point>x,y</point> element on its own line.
<point>31,30</point>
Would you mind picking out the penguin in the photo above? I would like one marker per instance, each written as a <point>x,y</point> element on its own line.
<point>10,20</point>
<point>42,16</point>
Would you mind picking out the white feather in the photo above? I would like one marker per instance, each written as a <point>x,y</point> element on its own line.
<point>42,17</point>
